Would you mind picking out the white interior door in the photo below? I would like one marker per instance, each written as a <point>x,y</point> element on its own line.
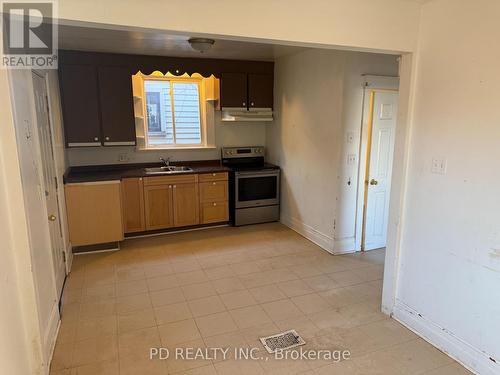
<point>49,178</point>
<point>379,168</point>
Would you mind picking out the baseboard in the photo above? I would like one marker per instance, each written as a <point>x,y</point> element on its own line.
<point>345,245</point>
<point>469,356</point>
<point>322,240</point>
<point>50,338</point>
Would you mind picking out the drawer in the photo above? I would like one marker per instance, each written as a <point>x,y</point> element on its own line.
<point>217,176</point>
<point>214,212</point>
<point>166,180</point>
<point>213,191</point>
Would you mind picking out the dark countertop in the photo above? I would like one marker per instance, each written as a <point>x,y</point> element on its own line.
<point>109,172</point>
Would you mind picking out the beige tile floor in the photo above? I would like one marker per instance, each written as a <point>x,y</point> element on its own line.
<point>227,287</point>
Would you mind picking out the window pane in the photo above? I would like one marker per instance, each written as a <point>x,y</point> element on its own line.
<point>187,113</point>
<point>159,112</point>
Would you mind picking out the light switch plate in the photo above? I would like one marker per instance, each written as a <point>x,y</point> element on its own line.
<point>438,166</point>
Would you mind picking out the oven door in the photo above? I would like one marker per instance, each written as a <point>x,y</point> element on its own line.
<point>257,188</point>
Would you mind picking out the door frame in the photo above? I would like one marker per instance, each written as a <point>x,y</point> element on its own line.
<point>54,103</point>
<point>373,84</point>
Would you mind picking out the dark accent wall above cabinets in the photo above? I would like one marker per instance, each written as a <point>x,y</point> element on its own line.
<point>97,98</point>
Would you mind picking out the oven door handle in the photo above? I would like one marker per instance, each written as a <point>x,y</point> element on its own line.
<point>258,174</point>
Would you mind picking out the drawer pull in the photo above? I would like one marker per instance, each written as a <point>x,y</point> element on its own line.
<point>215,204</point>
<point>214,174</point>
<point>170,186</point>
<point>214,183</point>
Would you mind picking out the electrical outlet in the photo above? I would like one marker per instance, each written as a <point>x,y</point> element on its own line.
<point>123,157</point>
<point>351,159</point>
<point>438,166</point>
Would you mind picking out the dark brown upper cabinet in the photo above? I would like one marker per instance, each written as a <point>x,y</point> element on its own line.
<point>117,107</point>
<point>241,90</point>
<point>260,91</point>
<point>79,91</point>
<point>233,90</point>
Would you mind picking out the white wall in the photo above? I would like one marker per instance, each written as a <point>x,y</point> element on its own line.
<point>450,252</point>
<point>226,134</point>
<point>390,25</point>
<point>318,99</point>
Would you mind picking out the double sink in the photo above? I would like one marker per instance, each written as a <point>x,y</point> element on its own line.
<point>168,170</point>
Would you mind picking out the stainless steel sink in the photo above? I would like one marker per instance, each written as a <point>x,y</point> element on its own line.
<point>167,170</point>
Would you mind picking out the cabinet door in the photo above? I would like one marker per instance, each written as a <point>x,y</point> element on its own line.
<point>158,206</point>
<point>94,212</point>
<point>133,205</point>
<point>233,90</point>
<point>260,90</point>
<point>80,105</point>
<point>186,204</point>
<point>117,106</point>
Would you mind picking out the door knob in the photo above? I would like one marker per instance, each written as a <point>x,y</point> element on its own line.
<point>52,217</point>
<point>373,182</point>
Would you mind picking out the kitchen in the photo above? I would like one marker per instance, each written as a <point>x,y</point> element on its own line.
<point>106,105</point>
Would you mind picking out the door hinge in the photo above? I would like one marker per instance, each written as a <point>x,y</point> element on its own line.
<point>57,185</point>
<point>64,256</point>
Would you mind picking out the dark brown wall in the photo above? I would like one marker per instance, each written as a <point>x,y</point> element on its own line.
<point>174,65</point>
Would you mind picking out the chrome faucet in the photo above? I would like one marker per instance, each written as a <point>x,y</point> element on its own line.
<point>165,161</point>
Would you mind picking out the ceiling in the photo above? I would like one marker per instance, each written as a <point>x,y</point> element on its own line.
<point>157,43</point>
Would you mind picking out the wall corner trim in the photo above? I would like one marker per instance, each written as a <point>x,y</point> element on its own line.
<point>322,240</point>
<point>469,356</point>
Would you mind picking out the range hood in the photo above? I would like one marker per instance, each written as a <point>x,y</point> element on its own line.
<point>244,114</point>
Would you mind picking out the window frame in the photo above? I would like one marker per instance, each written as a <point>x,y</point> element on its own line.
<point>202,109</point>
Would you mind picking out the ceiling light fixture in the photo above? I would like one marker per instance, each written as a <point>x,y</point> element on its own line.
<point>201,44</point>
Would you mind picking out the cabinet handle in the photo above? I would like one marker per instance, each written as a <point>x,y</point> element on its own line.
<point>170,186</point>
<point>214,183</point>
<point>244,104</point>
<point>251,104</point>
<point>96,139</point>
<point>215,204</point>
<point>213,174</point>
<point>175,186</point>
<point>107,138</point>
<point>140,179</point>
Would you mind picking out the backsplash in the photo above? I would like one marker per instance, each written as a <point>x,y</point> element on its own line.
<point>226,134</point>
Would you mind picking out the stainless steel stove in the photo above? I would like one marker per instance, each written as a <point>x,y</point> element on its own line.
<point>254,185</point>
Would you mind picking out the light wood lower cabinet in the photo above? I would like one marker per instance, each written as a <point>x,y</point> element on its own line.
<point>213,191</point>
<point>134,219</point>
<point>213,198</point>
<point>214,212</point>
<point>171,201</point>
<point>94,211</point>
<point>186,204</point>
<point>158,206</point>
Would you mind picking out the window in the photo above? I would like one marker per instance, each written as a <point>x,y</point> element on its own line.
<point>173,112</point>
